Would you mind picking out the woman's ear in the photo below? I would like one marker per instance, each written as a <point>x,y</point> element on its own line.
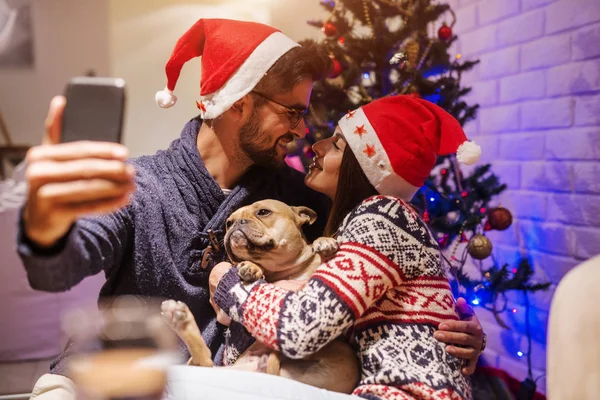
<point>304,215</point>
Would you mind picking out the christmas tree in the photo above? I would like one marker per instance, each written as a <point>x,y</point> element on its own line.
<point>390,47</point>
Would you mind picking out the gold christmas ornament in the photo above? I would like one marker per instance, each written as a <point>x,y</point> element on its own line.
<point>479,247</point>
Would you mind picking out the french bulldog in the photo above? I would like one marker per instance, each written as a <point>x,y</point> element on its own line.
<point>265,240</point>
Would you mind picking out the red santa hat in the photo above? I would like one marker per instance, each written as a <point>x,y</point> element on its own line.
<point>235,57</point>
<point>396,141</point>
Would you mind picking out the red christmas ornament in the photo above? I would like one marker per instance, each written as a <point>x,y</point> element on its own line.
<point>445,32</point>
<point>464,193</point>
<point>499,218</point>
<point>342,40</point>
<point>330,29</point>
<point>444,171</point>
<point>426,217</point>
<point>336,69</point>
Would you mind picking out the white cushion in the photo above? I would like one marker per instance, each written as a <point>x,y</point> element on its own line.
<point>189,382</point>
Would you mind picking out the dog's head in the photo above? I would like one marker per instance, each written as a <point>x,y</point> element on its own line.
<point>268,233</point>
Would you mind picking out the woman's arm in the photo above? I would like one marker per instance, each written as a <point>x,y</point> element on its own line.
<point>381,246</point>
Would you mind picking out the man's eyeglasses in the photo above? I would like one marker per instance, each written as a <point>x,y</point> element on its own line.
<point>295,115</point>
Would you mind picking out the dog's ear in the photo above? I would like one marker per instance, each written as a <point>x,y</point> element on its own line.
<point>305,215</point>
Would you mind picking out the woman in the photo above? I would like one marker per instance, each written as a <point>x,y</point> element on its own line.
<point>385,289</point>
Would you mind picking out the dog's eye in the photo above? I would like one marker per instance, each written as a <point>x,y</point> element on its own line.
<point>228,224</point>
<point>263,212</point>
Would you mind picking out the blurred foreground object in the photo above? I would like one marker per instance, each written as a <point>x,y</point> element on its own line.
<point>573,345</point>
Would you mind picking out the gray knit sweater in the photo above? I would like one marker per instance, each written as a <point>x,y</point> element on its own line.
<point>155,245</point>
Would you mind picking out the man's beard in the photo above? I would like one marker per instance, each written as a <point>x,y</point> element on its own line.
<point>255,144</point>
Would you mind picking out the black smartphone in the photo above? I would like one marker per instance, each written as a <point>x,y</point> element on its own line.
<point>95,109</point>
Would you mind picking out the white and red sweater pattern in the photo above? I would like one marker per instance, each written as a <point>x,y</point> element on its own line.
<point>385,289</point>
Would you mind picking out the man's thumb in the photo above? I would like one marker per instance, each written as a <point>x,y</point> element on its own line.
<point>54,120</point>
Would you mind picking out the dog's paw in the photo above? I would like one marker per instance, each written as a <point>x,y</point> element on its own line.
<point>249,272</point>
<point>177,314</point>
<point>326,247</point>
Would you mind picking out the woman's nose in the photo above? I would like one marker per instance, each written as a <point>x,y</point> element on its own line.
<point>317,147</point>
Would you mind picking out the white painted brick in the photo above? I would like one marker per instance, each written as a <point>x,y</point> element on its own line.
<point>547,237</point>
<point>567,14</point>
<point>508,237</point>
<point>530,205</point>
<point>466,19</point>
<point>494,10</point>
<point>499,119</point>
<point>528,146</point>
<point>489,147</point>
<point>573,144</point>
<point>521,29</point>
<point>587,110</point>
<point>453,4</point>
<point>553,113</point>
<point>586,177</point>
<point>484,93</point>
<point>546,52</point>
<point>463,3</point>
<point>576,209</point>
<point>540,299</point>
<point>528,86</point>
<point>548,176</point>
<point>586,242</point>
<point>478,41</point>
<point>575,78</point>
<point>530,4</point>
<point>586,42</point>
<point>508,172</point>
<point>500,63</point>
<point>555,266</point>
<point>469,78</point>
<point>538,320</point>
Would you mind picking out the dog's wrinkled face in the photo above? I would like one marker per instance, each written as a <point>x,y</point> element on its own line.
<point>268,233</point>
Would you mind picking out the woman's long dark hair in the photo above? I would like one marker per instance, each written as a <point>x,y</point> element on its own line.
<point>353,187</point>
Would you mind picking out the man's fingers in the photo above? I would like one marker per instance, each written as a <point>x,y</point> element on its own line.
<point>78,150</point>
<point>469,369</point>
<point>53,122</point>
<point>93,207</point>
<point>472,327</point>
<point>464,308</point>
<point>83,191</point>
<point>464,353</point>
<point>43,172</point>
<point>463,339</point>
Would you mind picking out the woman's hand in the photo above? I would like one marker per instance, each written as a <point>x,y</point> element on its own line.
<point>465,338</point>
<point>213,281</point>
<point>291,285</point>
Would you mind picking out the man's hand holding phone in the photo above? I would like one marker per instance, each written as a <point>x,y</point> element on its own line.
<point>70,180</point>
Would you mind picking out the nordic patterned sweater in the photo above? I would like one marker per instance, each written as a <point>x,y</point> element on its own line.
<point>156,244</point>
<point>385,290</point>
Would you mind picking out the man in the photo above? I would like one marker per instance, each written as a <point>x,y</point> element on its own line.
<point>162,222</point>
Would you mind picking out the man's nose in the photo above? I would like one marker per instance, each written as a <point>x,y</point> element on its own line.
<point>300,131</point>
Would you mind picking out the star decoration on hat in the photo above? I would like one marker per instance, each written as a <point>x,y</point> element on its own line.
<point>360,130</point>
<point>370,150</point>
<point>350,114</point>
<point>201,106</point>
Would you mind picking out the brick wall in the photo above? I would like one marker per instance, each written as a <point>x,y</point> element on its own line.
<point>538,85</point>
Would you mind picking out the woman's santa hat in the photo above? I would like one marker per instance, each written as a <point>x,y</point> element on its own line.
<point>396,141</point>
<point>235,57</point>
